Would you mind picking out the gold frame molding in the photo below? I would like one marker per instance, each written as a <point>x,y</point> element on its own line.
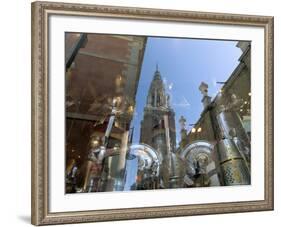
<point>40,192</point>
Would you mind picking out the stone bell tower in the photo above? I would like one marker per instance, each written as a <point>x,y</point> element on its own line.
<point>158,124</point>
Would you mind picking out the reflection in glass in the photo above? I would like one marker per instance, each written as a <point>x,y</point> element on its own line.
<point>133,126</point>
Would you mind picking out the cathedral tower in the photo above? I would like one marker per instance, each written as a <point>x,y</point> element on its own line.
<point>158,124</point>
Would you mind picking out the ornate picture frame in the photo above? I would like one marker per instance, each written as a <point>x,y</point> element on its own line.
<point>41,13</point>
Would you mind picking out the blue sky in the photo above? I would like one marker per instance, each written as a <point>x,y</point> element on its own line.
<point>184,64</point>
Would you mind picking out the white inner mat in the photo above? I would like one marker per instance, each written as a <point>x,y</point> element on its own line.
<point>60,202</point>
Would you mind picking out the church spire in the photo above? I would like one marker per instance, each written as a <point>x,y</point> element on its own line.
<point>157,75</point>
<point>158,126</point>
<point>157,95</point>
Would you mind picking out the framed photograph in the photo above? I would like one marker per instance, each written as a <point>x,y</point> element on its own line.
<point>149,113</point>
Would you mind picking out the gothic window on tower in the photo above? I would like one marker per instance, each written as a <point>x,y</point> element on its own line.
<point>158,123</point>
<point>158,100</point>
